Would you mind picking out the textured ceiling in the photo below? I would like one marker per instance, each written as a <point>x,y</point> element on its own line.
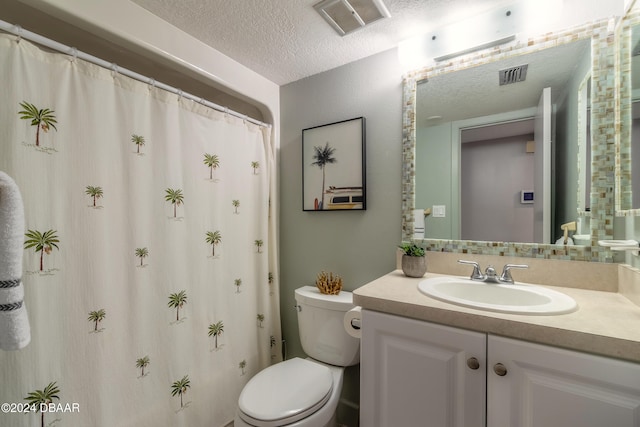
<point>476,92</point>
<point>287,40</point>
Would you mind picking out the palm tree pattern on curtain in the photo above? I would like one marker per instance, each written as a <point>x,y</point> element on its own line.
<point>43,397</point>
<point>142,253</point>
<point>139,141</point>
<point>177,300</point>
<point>42,242</point>
<point>215,331</point>
<point>175,197</point>
<point>213,238</point>
<point>180,388</point>
<point>94,193</point>
<point>270,280</point>
<point>213,162</point>
<point>142,363</point>
<point>43,118</point>
<point>98,318</point>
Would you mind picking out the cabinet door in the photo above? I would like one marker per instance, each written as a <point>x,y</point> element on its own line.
<point>545,386</point>
<point>414,373</point>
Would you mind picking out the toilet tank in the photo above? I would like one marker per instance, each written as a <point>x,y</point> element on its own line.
<point>321,326</point>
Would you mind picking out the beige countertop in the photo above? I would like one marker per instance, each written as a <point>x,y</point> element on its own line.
<point>606,323</point>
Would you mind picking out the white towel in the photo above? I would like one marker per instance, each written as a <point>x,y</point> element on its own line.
<point>14,323</point>
<point>418,223</point>
<point>620,245</point>
<point>560,241</point>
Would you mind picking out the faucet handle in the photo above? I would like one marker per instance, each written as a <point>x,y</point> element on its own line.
<point>506,272</point>
<point>476,274</point>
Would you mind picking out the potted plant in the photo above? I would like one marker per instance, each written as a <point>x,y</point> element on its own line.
<point>414,262</point>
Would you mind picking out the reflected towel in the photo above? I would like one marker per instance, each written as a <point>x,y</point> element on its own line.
<point>418,223</point>
<point>560,241</point>
<point>14,323</point>
<point>620,245</point>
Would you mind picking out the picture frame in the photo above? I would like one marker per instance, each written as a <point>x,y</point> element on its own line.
<point>333,166</point>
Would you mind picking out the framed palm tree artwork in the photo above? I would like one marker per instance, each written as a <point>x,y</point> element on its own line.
<point>333,166</point>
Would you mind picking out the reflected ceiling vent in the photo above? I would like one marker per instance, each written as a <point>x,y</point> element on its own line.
<point>513,74</point>
<point>346,16</point>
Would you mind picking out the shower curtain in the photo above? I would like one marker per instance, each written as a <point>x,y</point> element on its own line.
<point>150,248</point>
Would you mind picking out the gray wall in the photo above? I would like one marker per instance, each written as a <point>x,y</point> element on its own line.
<point>360,246</point>
<point>566,150</point>
<point>493,173</point>
<point>434,183</point>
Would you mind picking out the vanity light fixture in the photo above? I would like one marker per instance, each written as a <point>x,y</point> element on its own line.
<point>346,16</point>
<point>484,30</point>
<point>492,28</point>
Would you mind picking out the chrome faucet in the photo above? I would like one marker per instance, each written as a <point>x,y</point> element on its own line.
<point>505,277</point>
<point>490,275</point>
<point>476,274</point>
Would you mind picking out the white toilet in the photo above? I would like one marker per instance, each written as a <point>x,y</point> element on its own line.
<point>305,392</point>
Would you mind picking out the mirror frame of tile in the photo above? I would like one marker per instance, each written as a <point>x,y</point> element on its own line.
<point>603,125</point>
<point>624,188</point>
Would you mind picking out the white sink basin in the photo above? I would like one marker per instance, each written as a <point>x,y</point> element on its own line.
<point>518,298</point>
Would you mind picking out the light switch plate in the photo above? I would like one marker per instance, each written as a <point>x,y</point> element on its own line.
<point>438,211</point>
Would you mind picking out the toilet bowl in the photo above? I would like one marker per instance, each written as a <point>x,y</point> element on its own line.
<point>296,393</point>
<point>304,392</point>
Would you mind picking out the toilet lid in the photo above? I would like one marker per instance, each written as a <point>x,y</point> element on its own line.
<point>290,390</point>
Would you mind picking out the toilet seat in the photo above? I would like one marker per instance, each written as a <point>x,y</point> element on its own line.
<point>285,393</point>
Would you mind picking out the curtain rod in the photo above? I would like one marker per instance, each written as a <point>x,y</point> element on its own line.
<point>52,44</point>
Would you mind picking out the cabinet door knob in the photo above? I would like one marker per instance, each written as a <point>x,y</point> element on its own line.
<point>500,369</point>
<point>473,363</point>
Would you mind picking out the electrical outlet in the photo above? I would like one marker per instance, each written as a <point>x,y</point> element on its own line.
<point>438,211</point>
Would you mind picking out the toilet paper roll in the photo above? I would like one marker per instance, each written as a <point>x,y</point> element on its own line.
<point>353,322</point>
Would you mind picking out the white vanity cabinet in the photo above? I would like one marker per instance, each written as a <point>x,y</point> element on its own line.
<point>415,373</point>
<point>543,386</point>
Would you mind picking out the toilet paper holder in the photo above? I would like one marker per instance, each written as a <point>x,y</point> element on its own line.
<point>353,322</point>
<point>356,323</point>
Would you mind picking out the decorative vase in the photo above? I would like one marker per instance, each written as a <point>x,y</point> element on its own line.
<point>414,266</point>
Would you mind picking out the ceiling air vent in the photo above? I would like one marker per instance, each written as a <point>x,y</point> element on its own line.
<point>513,74</point>
<point>346,16</point>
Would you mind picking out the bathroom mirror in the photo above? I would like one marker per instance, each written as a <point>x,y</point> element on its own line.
<point>601,224</point>
<point>584,151</point>
<point>628,155</point>
<point>478,155</point>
